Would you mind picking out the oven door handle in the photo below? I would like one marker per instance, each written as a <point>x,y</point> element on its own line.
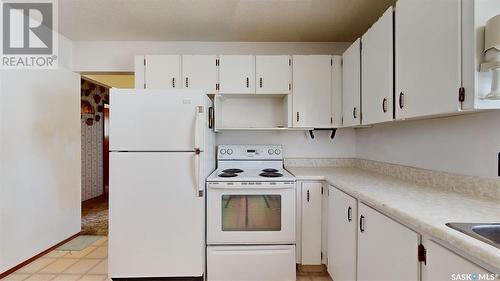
<point>250,187</point>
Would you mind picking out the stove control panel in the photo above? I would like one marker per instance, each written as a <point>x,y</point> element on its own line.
<point>250,152</point>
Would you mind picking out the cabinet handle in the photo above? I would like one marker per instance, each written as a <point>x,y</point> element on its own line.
<point>248,82</point>
<point>384,105</point>
<point>187,82</point>
<point>308,196</point>
<point>173,82</point>
<point>355,113</point>
<point>260,82</point>
<point>298,117</point>
<point>362,223</point>
<point>401,100</point>
<point>349,214</point>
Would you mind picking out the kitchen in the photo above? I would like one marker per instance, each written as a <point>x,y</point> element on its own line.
<point>307,160</point>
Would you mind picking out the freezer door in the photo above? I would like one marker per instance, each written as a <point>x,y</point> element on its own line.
<point>156,216</point>
<point>157,120</point>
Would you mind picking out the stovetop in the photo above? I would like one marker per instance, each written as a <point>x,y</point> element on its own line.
<point>252,174</point>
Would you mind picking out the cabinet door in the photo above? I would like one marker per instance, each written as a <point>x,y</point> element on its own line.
<point>336,106</point>
<point>163,72</point>
<point>428,57</point>
<point>387,250</point>
<point>199,72</point>
<point>311,223</point>
<point>273,74</point>
<point>442,264</point>
<point>342,214</point>
<point>237,74</point>
<point>312,91</point>
<point>378,71</point>
<point>351,85</point>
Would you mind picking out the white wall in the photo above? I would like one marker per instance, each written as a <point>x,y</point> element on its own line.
<point>298,144</point>
<point>40,160</point>
<point>119,56</point>
<point>467,144</point>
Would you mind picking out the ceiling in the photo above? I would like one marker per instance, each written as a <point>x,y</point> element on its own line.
<point>218,20</point>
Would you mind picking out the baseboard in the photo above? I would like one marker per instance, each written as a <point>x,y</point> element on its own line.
<point>15,268</point>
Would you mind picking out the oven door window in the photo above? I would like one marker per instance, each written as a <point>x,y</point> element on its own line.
<point>251,212</point>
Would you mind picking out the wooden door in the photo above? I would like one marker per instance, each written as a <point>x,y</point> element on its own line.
<point>105,151</point>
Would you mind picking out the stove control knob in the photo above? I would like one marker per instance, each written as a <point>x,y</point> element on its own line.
<point>270,151</point>
<point>277,152</point>
<point>222,151</point>
<point>229,151</point>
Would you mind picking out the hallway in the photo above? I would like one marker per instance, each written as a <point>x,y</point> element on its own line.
<point>95,216</point>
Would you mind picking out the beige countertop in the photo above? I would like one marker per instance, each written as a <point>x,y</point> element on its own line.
<point>425,209</point>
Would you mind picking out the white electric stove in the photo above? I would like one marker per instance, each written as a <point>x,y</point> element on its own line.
<point>250,215</point>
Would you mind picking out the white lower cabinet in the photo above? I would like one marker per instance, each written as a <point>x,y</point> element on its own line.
<point>342,214</point>
<point>387,250</point>
<point>311,223</point>
<point>443,264</point>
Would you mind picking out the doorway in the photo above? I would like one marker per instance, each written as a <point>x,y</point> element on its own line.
<point>95,90</point>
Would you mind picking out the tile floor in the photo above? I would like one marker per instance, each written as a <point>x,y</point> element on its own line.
<point>91,264</point>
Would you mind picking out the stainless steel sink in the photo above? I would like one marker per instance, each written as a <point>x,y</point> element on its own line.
<point>486,232</point>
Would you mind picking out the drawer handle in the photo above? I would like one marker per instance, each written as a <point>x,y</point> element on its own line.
<point>362,223</point>
<point>401,100</point>
<point>384,105</point>
<point>355,113</point>
<point>349,214</point>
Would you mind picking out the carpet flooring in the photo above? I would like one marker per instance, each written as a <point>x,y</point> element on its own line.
<point>95,216</point>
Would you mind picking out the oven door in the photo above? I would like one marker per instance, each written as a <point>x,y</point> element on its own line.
<point>243,213</point>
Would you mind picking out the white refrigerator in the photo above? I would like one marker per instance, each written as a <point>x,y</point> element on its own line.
<point>161,151</point>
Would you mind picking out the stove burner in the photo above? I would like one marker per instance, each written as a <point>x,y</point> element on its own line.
<point>232,171</point>
<point>270,175</point>
<point>228,175</point>
<point>270,170</point>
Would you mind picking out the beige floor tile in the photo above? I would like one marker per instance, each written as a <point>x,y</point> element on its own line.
<point>58,266</point>
<point>16,276</point>
<point>67,277</point>
<point>101,268</point>
<point>36,265</point>
<point>82,266</point>
<point>93,278</point>
<point>80,254</point>
<point>56,254</point>
<point>101,241</point>
<point>40,277</point>
<point>99,253</point>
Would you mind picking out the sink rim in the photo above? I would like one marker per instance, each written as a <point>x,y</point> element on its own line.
<point>467,229</point>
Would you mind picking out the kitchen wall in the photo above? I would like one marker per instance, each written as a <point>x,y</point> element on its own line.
<point>466,144</point>
<point>119,56</point>
<point>298,144</point>
<point>40,159</point>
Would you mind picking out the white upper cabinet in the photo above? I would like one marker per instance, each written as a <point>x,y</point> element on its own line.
<point>273,74</point>
<point>377,84</point>
<point>428,57</point>
<point>351,85</point>
<point>199,72</point>
<point>312,91</point>
<point>237,74</point>
<point>387,250</point>
<point>342,229</point>
<point>162,72</point>
<point>336,107</point>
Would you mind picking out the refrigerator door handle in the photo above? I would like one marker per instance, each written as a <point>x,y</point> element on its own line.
<point>197,150</point>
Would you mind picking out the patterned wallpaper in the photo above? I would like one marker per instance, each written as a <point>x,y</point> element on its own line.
<point>93,98</point>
